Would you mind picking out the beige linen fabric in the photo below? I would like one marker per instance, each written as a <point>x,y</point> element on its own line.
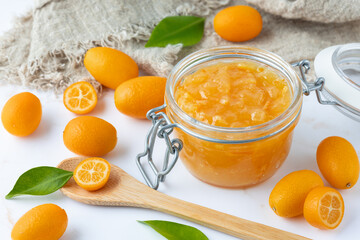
<point>45,48</point>
<point>312,10</point>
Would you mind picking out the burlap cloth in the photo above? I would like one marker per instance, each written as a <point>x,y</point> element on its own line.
<point>46,46</point>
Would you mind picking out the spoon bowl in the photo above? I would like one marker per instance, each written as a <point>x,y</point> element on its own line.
<point>120,190</point>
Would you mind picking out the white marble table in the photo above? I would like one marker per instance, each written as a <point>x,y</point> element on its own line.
<point>45,147</point>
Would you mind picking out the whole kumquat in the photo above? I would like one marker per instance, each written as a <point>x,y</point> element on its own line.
<point>89,136</point>
<point>137,96</point>
<point>338,162</point>
<point>21,114</point>
<point>109,66</point>
<point>44,222</point>
<point>238,23</point>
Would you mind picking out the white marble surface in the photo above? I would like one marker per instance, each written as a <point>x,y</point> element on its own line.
<point>45,147</point>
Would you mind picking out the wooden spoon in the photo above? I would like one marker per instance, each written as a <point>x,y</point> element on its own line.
<point>124,190</point>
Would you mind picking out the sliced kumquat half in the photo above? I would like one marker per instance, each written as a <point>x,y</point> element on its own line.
<point>80,97</point>
<point>324,208</point>
<point>92,173</point>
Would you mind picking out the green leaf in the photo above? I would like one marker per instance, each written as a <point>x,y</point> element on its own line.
<point>187,30</point>
<point>40,181</point>
<point>175,231</point>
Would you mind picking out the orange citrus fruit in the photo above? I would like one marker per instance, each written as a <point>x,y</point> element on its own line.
<point>89,136</point>
<point>137,96</point>
<point>92,173</point>
<point>21,114</point>
<point>80,97</point>
<point>44,222</point>
<point>110,67</point>
<point>338,162</point>
<point>288,196</point>
<point>238,23</point>
<point>324,208</point>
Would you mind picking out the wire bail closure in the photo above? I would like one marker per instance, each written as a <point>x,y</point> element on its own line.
<point>317,86</point>
<point>323,96</point>
<point>161,128</point>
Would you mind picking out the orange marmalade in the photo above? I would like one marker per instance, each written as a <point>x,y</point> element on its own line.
<point>239,94</point>
<point>236,94</point>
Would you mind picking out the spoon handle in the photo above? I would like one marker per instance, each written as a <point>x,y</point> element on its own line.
<point>219,221</point>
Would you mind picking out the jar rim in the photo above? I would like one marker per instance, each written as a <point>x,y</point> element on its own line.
<point>346,57</point>
<point>202,55</point>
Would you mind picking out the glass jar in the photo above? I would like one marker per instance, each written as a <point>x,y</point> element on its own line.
<point>233,157</point>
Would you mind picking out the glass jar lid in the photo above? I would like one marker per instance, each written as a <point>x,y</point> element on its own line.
<point>340,67</point>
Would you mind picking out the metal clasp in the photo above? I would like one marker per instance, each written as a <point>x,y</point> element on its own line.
<point>317,85</point>
<point>161,128</point>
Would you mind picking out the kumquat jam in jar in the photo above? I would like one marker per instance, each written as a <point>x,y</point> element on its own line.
<point>234,110</point>
<point>234,95</point>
